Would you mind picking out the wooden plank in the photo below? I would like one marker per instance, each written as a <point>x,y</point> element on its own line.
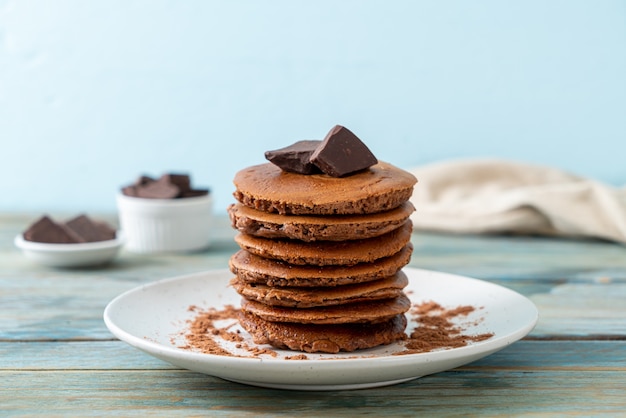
<point>110,378</point>
<point>172,392</point>
<point>50,304</point>
<point>104,379</point>
<point>83,355</point>
<point>582,309</point>
<point>519,257</point>
<point>117,355</point>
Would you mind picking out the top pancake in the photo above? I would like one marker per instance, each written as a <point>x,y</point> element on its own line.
<point>267,188</point>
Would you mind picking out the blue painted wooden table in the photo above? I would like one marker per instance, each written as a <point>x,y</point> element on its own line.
<point>58,359</point>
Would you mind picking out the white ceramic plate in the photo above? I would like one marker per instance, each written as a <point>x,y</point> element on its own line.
<point>71,255</point>
<point>153,318</point>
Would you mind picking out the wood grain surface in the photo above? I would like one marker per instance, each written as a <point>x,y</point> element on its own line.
<point>58,359</point>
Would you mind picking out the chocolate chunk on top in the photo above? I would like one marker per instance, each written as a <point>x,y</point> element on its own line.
<point>342,153</point>
<point>296,157</point>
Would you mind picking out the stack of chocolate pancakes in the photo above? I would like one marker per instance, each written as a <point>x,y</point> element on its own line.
<point>319,269</point>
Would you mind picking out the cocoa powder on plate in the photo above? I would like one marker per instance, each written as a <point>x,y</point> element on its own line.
<point>437,328</point>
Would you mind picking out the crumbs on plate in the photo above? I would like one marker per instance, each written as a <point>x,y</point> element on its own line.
<point>211,329</point>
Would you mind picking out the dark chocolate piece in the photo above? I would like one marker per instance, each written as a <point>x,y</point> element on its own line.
<point>133,189</point>
<point>89,230</point>
<point>195,193</point>
<point>106,232</point>
<point>168,186</point>
<point>160,189</point>
<point>143,180</point>
<point>296,157</point>
<point>182,181</point>
<point>342,153</point>
<point>48,231</point>
<point>130,190</point>
<point>80,229</point>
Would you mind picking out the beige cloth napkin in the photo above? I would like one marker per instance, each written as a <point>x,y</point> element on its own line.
<point>493,196</point>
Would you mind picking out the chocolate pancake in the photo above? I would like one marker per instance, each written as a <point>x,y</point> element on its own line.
<point>387,288</point>
<point>267,188</point>
<point>323,338</point>
<point>370,312</point>
<point>317,228</point>
<point>324,253</point>
<point>251,268</point>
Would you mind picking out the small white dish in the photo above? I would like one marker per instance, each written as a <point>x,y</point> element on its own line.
<point>154,317</point>
<point>165,225</point>
<point>71,255</point>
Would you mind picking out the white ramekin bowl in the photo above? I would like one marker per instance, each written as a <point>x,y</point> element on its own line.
<point>165,225</point>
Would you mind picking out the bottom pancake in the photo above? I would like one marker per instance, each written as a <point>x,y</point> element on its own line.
<point>323,338</point>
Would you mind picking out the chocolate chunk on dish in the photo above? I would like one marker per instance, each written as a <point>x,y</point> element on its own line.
<point>182,181</point>
<point>80,229</point>
<point>168,186</point>
<point>90,230</point>
<point>48,231</point>
<point>160,189</point>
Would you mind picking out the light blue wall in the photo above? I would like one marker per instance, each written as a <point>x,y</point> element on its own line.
<point>93,93</point>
